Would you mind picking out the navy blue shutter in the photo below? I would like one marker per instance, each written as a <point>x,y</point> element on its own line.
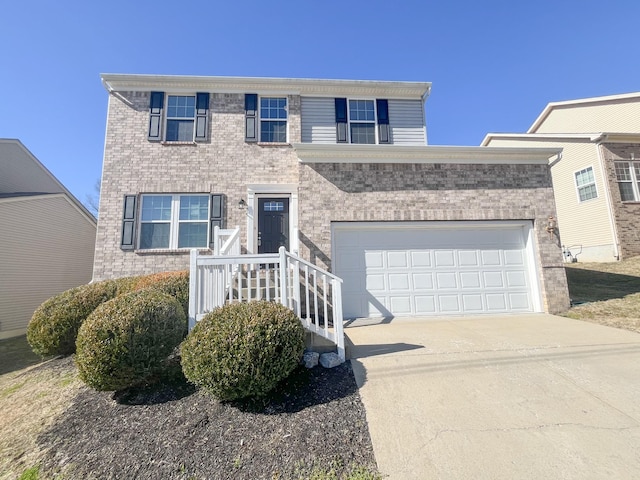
<point>341,120</point>
<point>382,106</point>
<point>127,241</point>
<point>202,112</point>
<point>156,102</point>
<point>251,117</point>
<point>217,215</point>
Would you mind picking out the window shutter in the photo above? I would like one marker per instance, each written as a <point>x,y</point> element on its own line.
<point>251,117</point>
<point>129,223</point>
<point>202,112</point>
<point>217,212</point>
<point>156,103</point>
<point>341,120</point>
<point>382,106</point>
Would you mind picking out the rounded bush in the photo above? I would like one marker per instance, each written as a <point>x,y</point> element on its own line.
<point>243,349</point>
<point>54,325</point>
<point>175,284</point>
<point>126,340</point>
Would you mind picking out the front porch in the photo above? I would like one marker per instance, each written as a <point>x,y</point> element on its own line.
<point>226,276</point>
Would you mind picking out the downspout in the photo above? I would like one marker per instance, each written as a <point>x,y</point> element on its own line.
<point>614,230</point>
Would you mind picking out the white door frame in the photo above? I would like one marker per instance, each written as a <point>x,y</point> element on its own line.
<point>254,192</point>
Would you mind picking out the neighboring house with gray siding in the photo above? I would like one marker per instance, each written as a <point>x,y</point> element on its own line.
<point>338,171</point>
<point>47,237</point>
<point>597,180</point>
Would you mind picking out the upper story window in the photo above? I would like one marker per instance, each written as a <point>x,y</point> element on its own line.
<point>273,120</point>
<point>178,118</point>
<point>362,121</point>
<point>586,184</point>
<point>628,177</point>
<point>174,221</point>
<point>181,112</point>
<point>265,121</point>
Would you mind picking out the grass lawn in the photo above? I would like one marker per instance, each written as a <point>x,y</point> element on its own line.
<point>606,293</point>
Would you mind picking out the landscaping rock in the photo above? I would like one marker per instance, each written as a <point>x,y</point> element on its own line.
<point>310,359</point>
<point>330,360</point>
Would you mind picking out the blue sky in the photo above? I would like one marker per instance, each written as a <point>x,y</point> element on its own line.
<point>494,64</point>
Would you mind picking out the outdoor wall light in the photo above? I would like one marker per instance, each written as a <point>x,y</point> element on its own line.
<point>552,225</point>
<point>242,204</point>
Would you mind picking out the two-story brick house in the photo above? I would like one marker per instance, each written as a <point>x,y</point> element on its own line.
<point>336,170</point>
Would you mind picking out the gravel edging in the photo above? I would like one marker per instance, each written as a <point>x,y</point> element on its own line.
<point>315,419</point>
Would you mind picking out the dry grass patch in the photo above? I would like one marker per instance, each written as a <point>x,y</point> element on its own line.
<point>31,399</point>
<point>606,293</point>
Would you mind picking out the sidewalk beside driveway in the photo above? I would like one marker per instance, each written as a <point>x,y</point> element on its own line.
<point>500,397</point>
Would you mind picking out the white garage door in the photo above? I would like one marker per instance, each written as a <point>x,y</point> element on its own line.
<point>434,268</point>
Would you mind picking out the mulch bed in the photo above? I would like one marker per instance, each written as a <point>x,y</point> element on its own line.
<point>171,431</point>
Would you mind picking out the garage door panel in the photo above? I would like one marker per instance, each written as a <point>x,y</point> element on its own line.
<point>491,258</point>
<point>444,258</point>
<point>422,281</point>
<point>468,258</point>
<point>375,282</point>
<point>470,279</point>
<point>398,281</point>
<point>516,279</point>
<point>446,280</point>
<point>449,304</point>
<point>395,270</point>
<point>496,302</point>
<point>374,259</point>
<point>493,280</point>
<point>421,258</point>
<point>472,303</point>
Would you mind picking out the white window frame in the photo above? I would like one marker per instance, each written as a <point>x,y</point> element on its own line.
<point>634,180</point>
<point>174,221</point>
<point>578,187</point>
<point>260,119</point>
<point>167,117</point>
<point>374,122</point>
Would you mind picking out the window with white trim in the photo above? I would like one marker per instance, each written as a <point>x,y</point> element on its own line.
<point>181,113</point>
<point>362,121</point>
<point>628,177</point>
<point>174,221</point>
<point>586,184</point>
<point>273,119</point>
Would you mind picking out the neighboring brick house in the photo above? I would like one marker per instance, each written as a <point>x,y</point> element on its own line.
<point>47,238</point>
<point>597,180</point>
<point>338,171</point>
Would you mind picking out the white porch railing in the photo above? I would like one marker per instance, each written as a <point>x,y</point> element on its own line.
<point>312,293</point>
<point>226,241</point>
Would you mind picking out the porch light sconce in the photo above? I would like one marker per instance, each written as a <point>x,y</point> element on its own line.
<point>552,225</point>
<point>242,204</point>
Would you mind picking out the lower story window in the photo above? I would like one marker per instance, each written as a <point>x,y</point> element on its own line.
<point>174,221</point>
<point>628,177</point>
<point>586,184</point>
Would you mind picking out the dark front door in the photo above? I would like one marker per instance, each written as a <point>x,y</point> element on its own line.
<point>273,224</point>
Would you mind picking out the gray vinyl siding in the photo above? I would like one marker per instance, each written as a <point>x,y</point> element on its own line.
<point>406,119</point>
<point>318,120</point>
<point>47,247</point>
<point>20,172</point>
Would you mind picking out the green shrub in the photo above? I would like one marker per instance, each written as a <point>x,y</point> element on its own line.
<point>175,284</point>
<point>54,325</point>
<point>126,340</point>
<point>243,349</point>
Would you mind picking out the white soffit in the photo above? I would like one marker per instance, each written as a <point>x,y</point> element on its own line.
<point>350,153</point>
<point>283,86</point>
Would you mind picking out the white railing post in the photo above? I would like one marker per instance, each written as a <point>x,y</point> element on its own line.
<point>284,277</point>
<point>336,297</point>
<point>216,240</point>
<point>193,287</point>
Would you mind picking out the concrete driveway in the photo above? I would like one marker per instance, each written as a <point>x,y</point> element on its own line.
<point>501,397</point>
